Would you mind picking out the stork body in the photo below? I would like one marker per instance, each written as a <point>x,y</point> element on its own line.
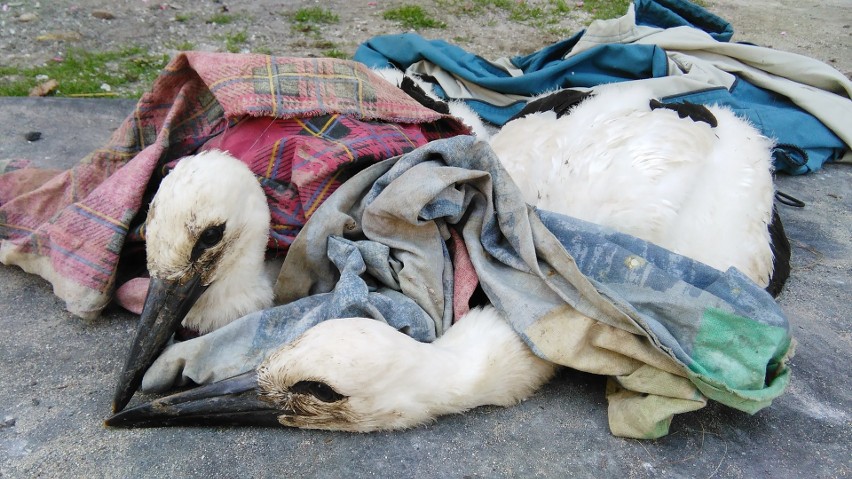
<point>700,190</point>
<point>388,380</point>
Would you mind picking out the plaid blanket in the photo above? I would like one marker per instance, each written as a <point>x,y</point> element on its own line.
<point>303,125</point>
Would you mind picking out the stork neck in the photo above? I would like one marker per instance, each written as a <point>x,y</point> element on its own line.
<point>241,289</point>
<point>480,360</point>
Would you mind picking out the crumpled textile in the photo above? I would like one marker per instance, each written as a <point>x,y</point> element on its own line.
<point>677,50</point>
<point>670,332</point>
<point>303,125</point>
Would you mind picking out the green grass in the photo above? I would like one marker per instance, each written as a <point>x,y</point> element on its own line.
<point>184,45</point>
<point>324,44</point>
<point>182,17</point>
<point>234,41</point>
<point>413,16</point>
<point>220,19</point>
<point>129,72</point>
<point>541,15</point>
<point>315,15</point>
<point>308,20</point>
<point>335,53</point>
<point>519,11</point>
<point>604,9</point>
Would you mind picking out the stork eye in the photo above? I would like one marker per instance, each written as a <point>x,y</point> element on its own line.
<point>317,389</point>
<point>211,236</point>
<point>208,238</point>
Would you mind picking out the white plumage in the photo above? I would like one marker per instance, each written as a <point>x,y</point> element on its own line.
<point>701,191</point>
<point>388,380</point>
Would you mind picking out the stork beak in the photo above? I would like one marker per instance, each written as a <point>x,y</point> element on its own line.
<point>231,402</point>
<point>165,307</point>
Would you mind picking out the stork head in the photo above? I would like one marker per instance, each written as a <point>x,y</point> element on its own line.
<point>353,374</point>
<point>206,235</point>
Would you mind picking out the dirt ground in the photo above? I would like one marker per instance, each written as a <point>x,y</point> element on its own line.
<point>34,32</point>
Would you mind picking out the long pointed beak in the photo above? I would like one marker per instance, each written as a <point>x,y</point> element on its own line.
<point>165,307</point>
<point>231,402</point>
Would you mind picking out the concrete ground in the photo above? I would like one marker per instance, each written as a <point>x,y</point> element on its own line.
<point>58,372</point>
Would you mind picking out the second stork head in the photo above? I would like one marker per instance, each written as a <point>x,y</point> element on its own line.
<point>206,237</point>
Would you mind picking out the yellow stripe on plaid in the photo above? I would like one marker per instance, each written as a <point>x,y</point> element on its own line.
<point>272,157</point>
<point>402,133</point>
<point>271,86</point>
<point>322,130</point>
<point>270,76</point>
<point>320,197</point>
<point>16,227</point>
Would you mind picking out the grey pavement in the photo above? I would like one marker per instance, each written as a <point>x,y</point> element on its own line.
<point>57,374</point>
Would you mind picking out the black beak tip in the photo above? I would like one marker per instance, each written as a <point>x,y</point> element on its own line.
<point>119,420</point>
<point>230,402</point>
<point>118,406</point>
<point>166,304</point>
<point>124,392</point>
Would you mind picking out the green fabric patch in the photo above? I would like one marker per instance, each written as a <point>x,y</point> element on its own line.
<point>740,362</point>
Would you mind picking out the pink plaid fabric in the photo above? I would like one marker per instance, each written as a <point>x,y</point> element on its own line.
<point>71,227</point>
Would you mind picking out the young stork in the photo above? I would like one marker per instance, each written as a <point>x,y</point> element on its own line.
<point>206,236</point>
<point>362,375</point>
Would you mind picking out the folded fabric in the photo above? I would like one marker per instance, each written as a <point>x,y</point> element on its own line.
<point>303,125</point>
<point>668,330</point>
<point>677,50</point>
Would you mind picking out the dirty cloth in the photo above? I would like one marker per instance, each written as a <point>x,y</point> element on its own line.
<point>669,331</point>
<point>678,50</point>
<point>303,125</point>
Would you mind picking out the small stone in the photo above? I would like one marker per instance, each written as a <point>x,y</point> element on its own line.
<point>33,135</point>
<point>8,421</point>
<point>27,17</point>
<point>106,87</point>
<point>45,88</point>
<point>103,14</point>
<point>36,402</point>
<point>60,36</point>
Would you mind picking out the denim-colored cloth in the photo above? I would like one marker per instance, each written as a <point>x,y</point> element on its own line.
<point>668,330</point>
